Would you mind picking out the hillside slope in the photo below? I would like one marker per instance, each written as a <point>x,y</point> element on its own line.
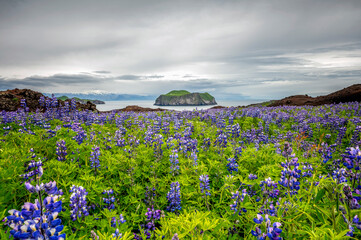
<point>349,94</point>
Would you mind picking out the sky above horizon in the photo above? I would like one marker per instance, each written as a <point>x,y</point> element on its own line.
<point>261,49</point>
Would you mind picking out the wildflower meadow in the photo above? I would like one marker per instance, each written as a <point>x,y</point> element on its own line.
<point>231,173</point>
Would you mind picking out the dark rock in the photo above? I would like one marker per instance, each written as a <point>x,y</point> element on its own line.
<point>218,107</point>
<point>135,108</point>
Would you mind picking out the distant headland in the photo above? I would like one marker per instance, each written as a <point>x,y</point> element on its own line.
<point>185,98</point>
<point>82,101</point>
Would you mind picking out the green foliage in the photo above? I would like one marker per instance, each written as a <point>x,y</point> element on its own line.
<point>177,93</point>
<point>63,98</point>
<point>206,96</point>
<point>192,225</point>
<point>313,214</point>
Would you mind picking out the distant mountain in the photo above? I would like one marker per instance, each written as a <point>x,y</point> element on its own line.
<point>104,96</point>
<point>82,101</point>
<point>185,98</point>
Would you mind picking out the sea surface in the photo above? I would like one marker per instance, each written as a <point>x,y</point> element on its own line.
<point>111,105</point>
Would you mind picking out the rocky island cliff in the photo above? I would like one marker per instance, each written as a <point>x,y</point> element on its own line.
<point>185,98</point>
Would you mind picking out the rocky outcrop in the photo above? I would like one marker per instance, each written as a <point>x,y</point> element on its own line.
<point>191,99</point>
<point>10,100</point>
<point>349,94</point>
<point>97,102</point>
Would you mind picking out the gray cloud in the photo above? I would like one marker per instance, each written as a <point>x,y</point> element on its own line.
<point>102,72</point>
<point>46,82</point>
<point>129,77</point>
<point>155,76</point>
<point>259,48</point>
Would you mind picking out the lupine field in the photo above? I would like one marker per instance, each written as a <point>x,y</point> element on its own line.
<point>250,173</point>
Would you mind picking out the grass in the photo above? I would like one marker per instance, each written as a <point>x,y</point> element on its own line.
<point>206,96</point>
<point>177,93</point>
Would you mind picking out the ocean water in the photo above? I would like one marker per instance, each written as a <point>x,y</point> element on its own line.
<point>111,105</point>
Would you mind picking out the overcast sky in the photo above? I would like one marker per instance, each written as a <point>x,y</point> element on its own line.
<point>258,49</point>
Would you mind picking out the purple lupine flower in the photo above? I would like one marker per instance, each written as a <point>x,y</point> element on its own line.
<point>356,221</point>
<point>349,199</point>
<point>339,175</point>
<point>117,221</point>
<point>94,159</point>
<point>272,231</point>
<point>61,150</point>
<point>238,198</point>
<point>23,105</point>
<point>173,158</point>
<point>157,145</point>
<point>117,234</point>
<point>236,130</point>
<point>238,152</point>
<point>33,170</point>
<point>269,188</point>
<point>341,134</point>
<point>221,140</point>
<point>37,220</point>
<point>174,197</point>
<point>258,233</point>
<point>308,169</point>
<point>290,175</point>
<point>109,200</point>
<point>194,157</point>
<point>53,101</point>
<point>153,214</point>
<point>175,237</point>
<point>81,134</point>
<point>287,151</point>
<point>204,185</point>
<point>258,219</point>
<point>149,196</point>
<point>356,136</point>
<point>232,165</point>
<point>206,143</point>
<point>78,202</point>
<point>42,101</point>
<point>252,176</point>
<point>326,152</point>
<point>93,235</point>
<point>73,104</point>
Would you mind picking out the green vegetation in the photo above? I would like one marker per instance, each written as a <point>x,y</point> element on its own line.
<point>206,96</point>
<point>64,98</point>
<point>292,172</point>
<point>177,93</point>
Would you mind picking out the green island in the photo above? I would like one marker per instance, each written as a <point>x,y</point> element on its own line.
<point>185,98</point>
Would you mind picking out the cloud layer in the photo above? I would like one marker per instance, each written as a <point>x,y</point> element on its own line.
<point>261,49</point>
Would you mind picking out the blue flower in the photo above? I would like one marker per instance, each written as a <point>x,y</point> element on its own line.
<point>78,202</point>
<point>173,197</point>
<point>204,185</point>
